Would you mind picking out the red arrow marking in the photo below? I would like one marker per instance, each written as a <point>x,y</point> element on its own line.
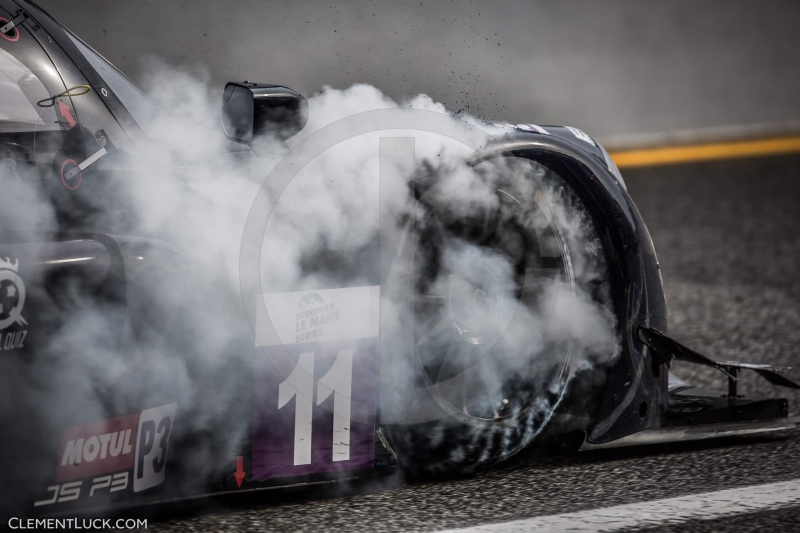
<point>66,113</point>
<point>239,475</point>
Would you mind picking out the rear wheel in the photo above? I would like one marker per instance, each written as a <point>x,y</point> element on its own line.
<point>490,281</point>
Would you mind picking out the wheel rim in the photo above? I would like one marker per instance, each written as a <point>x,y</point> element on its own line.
<point>462,307</point>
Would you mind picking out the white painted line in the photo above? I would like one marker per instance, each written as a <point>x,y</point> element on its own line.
<point>706,506</point>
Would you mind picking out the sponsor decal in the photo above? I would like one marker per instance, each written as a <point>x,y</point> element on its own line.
<point>318,316</point>
<point>112,453</point>
<point>97,448</point>
<point>12,301</point>
<point>71,491</point>
<point>312,315</point>
<point>155,428</point>
<point>534,128</point>
<point>581,135</point>
<point>526,127</point>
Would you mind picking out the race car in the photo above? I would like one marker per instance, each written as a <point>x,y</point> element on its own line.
<point>473,336</point>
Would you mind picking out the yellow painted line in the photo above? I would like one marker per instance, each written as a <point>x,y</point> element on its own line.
<point>705,152</point>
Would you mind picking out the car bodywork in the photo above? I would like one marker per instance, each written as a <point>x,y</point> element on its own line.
<point>134,458</point>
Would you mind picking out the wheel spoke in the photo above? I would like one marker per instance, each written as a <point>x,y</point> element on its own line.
<point>535,278</point>
<point>440,327</point>
<point>430,299</point>
<point>455,344</point>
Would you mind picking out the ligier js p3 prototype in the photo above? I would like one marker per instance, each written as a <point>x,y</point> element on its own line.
<point>472,363</point>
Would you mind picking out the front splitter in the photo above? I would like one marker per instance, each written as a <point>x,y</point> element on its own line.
<point>698,432</point>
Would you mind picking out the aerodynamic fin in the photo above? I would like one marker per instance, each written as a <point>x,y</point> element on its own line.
<point>665,349</point>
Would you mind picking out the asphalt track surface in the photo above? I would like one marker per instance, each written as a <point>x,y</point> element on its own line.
<point>728,238</point>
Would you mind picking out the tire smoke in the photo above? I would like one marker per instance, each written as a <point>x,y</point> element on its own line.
<point>177,331</point>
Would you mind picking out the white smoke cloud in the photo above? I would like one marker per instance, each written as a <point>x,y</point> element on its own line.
<point>186,337</point>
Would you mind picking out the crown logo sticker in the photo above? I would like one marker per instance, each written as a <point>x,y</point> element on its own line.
<point>12,294</point>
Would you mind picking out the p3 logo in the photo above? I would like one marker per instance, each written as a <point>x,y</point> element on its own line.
<point>152,445</point>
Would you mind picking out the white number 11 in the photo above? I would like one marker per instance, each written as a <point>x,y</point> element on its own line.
<point>300,386</point>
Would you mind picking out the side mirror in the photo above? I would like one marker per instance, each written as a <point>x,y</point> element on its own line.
<point>253,109</point>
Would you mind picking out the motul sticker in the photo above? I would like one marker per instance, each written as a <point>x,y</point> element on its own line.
<point>97,448</point>
<point>139,441</point>
<point>111,452</point>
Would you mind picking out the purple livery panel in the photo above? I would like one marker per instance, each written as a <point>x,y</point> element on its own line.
<point>316,383</point>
